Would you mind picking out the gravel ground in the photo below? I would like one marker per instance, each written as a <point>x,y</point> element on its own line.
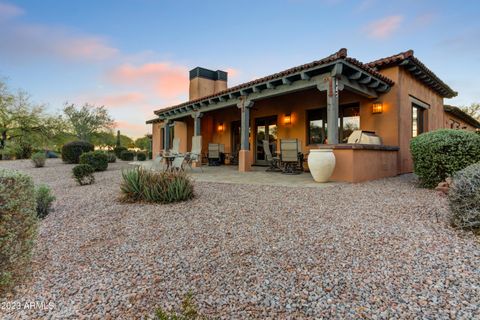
<point>374,250</point>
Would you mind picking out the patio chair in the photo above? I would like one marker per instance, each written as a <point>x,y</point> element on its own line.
<point>213,154</point>
<point>274,162</point>
<point>289,155</point>
<point>178,164</point>
<point>157,163</point>
<point>196,153</point>
<point>175,146</point>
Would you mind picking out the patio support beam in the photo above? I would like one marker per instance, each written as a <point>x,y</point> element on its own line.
<point>332,110</point>
<point>244,163</point>
<point>166,136</point>
<point>197,123</point>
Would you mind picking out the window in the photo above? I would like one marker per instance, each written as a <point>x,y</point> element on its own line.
<point>349,120</point>
<point>417,120</point>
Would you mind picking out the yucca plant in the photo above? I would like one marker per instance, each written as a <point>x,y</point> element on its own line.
<point>159,187</point>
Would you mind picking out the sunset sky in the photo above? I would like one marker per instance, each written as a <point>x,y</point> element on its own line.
<point>134,56</point>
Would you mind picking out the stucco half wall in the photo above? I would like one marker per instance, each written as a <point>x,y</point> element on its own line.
<point>359,162</point>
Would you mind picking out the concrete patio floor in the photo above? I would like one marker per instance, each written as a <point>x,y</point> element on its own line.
<point>258,176</point>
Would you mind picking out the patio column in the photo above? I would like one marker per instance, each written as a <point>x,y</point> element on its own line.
<point>166,136</point>
<point>332,110</point>
<point>244,160</point>
<point>197,123</point>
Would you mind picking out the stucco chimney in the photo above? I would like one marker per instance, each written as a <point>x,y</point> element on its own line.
<point>204,82</point>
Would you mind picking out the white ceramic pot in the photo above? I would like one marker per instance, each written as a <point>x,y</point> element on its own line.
<point>321,163</point>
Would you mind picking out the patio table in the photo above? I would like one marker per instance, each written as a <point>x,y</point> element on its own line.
<point>168,160</point>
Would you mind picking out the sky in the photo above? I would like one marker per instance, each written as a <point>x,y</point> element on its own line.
<point>133,56</point>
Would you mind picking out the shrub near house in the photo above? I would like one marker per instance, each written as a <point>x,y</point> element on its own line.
<point>97,159</point>
<point>439,154</point>
<point>18,226</point>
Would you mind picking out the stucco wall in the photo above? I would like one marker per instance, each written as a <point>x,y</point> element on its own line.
<point>157,139</point>
<point>457,122</point>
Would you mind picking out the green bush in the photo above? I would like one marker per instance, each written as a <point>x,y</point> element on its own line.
<point>97,159</point>
<point>161,187</point>
<point>111,157</point>
<point>141,156</point>
<point>439,154</point>
<point>464,198</point>
<point>39,159</point>
<point>118,151</point>
<point>71,151</point>
<point>44,198</point>
<point>188,311</point>
<point>18,226</point>
<point>83,174</point>
<point>126,155</point>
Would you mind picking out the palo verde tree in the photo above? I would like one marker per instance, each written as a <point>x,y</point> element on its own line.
<point>23,125</point>
<point>87,120</point>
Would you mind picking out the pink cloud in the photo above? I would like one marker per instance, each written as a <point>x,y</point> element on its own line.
<point>232,72</point>
<point>132,129</point>
<point>8,11</point>
<point>167,80</point>
<point>384,28</point>
<point>118,100</point>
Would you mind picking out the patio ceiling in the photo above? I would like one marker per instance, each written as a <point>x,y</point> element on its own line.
<point>350,74</point>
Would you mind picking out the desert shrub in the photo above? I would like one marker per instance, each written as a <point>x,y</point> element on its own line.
<point>464,198</point>
<point>188,311</point>
<point>97,159</point>
<point>161,187</point>
<point>39,159</point>
<point>71,151</point>
<point>118,151</point>
<point>44,198</point>
<point>23,150</point>
<point>126,155</point>
<point>111,157</point>
<point>141,156</point>
<point>83,174</point>
<point>18,226</point>
<point>441,153</point>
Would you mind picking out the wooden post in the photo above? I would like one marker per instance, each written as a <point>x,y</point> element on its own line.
<point>197,123</point>
<point>166,138</point>
<point>244,162</point>
<point>332,110</point>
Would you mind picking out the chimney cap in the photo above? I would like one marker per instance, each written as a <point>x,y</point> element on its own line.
<point>200,72</point>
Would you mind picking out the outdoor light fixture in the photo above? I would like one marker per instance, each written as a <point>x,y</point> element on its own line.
<point>377,107</point>
<point>220,127</point>
<point>287,119</point>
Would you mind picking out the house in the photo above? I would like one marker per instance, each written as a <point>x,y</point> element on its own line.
<point>396,97</point>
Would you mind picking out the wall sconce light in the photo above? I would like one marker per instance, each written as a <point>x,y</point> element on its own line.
<point>377,107</point>
<point>220,127</point>
<point>287,120</point>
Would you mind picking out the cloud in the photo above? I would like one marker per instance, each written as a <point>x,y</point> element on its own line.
<point>384,28</point>
<point>166,79</point>
<point>37,41</point>
<point>118,100</point>
<point>134,129</point>
<point>8,11</point>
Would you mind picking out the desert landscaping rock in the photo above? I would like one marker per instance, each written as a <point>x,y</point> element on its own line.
<point>378,250</point>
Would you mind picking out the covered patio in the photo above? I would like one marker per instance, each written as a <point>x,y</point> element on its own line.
<point>297,103</point>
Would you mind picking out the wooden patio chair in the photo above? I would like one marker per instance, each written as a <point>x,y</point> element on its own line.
<point>273,161</point>
<point>213,154</point>
<point>178,164</point>
<point>289,155</point>
<point>196,153</point>
<point>175,147</point>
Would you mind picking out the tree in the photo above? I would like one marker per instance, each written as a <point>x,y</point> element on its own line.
<point>473,110</point>
<point>87,120</point>
<point>126,141</point>
<point>143,143</point>
<point>24,125</point>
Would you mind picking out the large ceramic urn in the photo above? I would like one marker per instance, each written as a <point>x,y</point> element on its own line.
<point>321,163</point>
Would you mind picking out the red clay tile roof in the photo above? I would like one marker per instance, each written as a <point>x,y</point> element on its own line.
<point>339,55</point>
<point>441,87</point>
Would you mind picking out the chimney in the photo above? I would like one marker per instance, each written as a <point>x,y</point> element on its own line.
<point>204,82</point>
